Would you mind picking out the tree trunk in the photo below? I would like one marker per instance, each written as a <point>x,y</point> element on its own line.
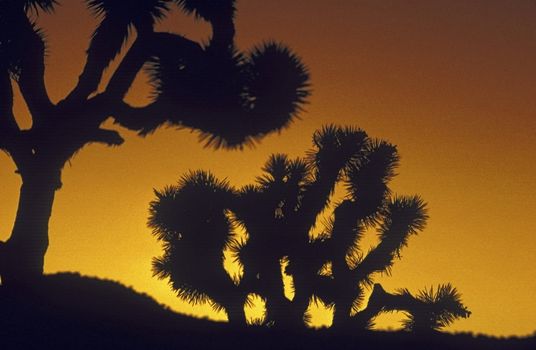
<point>236,314</point>
<point>341,314</point>
<point>23,255</point>
<point>277,305</point>
<point>345,293</point>
<point>303,291</point>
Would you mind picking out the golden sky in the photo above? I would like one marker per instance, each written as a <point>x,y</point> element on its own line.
<point>452,83</point>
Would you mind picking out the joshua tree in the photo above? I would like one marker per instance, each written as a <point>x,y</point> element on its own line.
<point>279,214</point>
<point>229,97</point>
<point>193,248</point>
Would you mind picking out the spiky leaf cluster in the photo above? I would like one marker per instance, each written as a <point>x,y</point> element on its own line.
<point>136,9</point>
<point>208,9</point>
<point>434,309</point>
<point>235,97</point>
<point>29,5</point>
<point>278,214</point>
<point>18,36</point>
<point>193,248</point>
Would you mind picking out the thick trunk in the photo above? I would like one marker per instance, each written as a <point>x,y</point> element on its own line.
<point>23,254</point>
<point>233,302</point>
<point>236,314</point>
<point>302,278</point>
<point>277,305</point>
<point>345,293</point>
<point>341,314</point>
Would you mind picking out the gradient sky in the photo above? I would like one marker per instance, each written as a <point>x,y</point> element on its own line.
<point>451,82</point>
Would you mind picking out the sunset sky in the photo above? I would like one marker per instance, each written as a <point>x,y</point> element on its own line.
<point>451,82</point>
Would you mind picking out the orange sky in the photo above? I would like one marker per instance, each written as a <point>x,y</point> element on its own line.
<point>452,83</point>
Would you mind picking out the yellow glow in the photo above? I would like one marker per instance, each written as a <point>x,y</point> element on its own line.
<point>255,309</point>
<point>321,315</point>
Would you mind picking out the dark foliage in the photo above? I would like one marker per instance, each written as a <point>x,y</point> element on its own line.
<point>231,98</point>
<point>198,219</point>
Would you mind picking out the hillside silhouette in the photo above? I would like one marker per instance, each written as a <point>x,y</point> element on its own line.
<point>69,311</point>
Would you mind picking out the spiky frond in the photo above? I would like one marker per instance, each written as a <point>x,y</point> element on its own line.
<point>277,87</point>
<point>249,200</point>
<point>117,21</point>
<point>107,41</point>
<point>133,12</point>
<point>299,170</point>
<point>208,9</point>
<point>367,178</point>
<point>276,170</point>
<point>285,176</point>
<point>197,199</point>
<point>404,217</point>
<point>22,53</point>
<point>9,48</point>
<point>332,135</point>
<point>357,304</point>
<point>346,232</point>
<point>429,310</point>
<point>271,86</point>
<point>114,28</point>
<point>354,255</point>
<point>231,98</point>
<point>202,92</point>
<point>235,246</point>
<point>36,5</point>
<point>19,37</point>
<point>191,220</point>
<point>434,309</point>
<point>334,149</point>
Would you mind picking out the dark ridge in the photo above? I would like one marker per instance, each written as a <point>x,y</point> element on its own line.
<point>69,311</point>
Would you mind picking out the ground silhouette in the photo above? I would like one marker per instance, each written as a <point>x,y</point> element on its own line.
<point>200,217</point>
<point>69,311</point>
<point>230,97</point>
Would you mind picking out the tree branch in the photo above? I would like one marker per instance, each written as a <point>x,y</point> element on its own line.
<point>125,74</point>
<point>329,159</point>
<point>144,120</point>
<point>146,46</point>
<point>220,14</point>
<point>148,118</point>
<point>7,120</point>
<point>436,312</point>
<point>108,137</point>
<point>11,138</point>
<point>106,43</point>
<point>32,71</point>
<point>379,301</point>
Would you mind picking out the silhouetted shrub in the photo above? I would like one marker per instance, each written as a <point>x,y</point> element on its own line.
<point>198,219</point>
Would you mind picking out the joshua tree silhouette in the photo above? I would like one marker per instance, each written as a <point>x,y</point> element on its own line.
<point>196,220</point>
<point>229,97</point>
<point>193,257</point>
